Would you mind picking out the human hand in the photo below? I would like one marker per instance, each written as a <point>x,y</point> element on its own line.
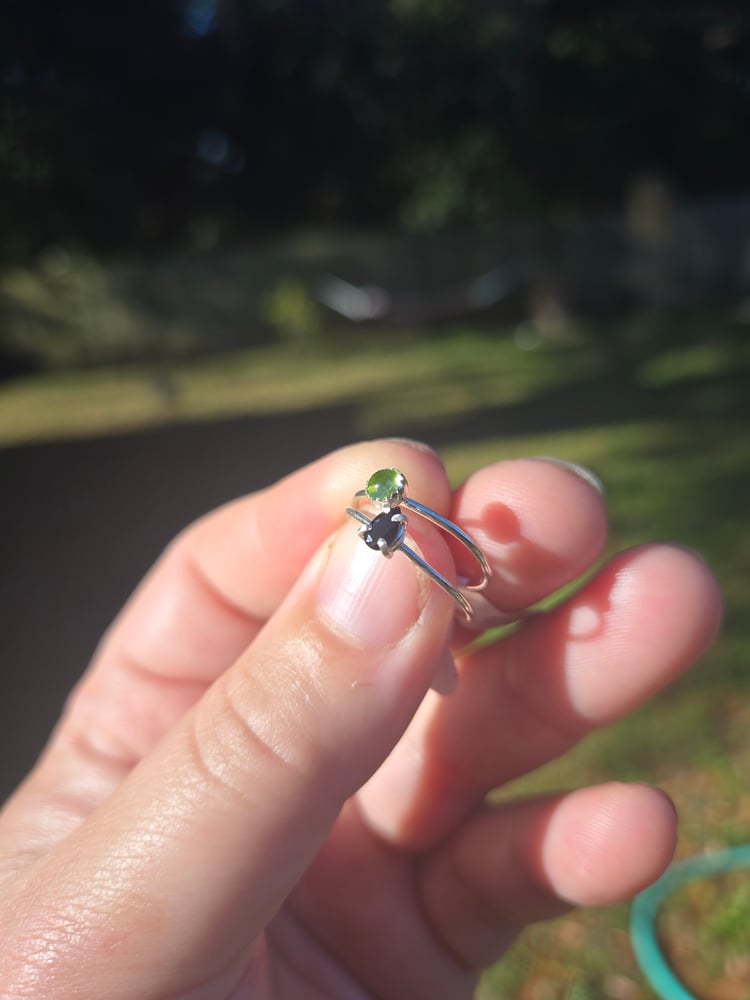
<point>253,794</point>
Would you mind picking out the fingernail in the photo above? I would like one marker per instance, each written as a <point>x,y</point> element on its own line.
<point>374,601</point>
<point>578,470</point>
<point>418,445</point>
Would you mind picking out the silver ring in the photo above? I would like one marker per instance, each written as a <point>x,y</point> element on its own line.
<point>386,531</point>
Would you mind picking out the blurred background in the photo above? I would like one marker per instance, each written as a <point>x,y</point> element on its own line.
<point>237,233</point>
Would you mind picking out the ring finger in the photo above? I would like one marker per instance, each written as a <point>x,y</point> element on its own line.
<point>532,860</point>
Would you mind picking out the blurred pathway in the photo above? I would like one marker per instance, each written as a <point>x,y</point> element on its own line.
<point>81,521</point>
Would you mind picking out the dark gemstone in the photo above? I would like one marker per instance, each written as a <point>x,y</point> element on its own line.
<point>386,526</point>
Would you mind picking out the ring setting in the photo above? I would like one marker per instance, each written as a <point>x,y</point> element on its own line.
<point>385,531</point>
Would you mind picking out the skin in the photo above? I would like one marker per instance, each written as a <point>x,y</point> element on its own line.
<point>254,792</point>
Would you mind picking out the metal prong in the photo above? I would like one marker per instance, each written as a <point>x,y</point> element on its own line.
<point>359,516</point>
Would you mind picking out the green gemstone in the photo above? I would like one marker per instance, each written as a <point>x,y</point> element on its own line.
<point>386,487</point>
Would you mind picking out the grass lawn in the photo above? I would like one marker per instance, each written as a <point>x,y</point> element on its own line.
<point>668,435</point>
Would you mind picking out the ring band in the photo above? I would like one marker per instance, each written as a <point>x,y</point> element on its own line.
<point>386,531</point>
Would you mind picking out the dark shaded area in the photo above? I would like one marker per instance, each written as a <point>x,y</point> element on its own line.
<point>153,157</point>
<point>138,125</point>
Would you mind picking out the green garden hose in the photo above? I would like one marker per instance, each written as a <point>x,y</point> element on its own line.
<point>646,906</point>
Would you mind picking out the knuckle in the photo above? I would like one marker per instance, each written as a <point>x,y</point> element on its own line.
<point>241,743</point>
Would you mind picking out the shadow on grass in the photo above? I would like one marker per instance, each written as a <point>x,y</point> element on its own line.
<point>604,400</point>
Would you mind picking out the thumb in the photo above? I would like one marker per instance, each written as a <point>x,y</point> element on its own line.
<point>166,885</point>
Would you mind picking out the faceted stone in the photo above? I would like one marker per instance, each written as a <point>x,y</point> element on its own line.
<point>386,487</point>
<point>386,527</point>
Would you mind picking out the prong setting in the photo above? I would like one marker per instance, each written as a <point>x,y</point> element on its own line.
<point>385,532</point>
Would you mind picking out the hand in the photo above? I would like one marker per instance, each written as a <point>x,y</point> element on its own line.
<point>252,793</point>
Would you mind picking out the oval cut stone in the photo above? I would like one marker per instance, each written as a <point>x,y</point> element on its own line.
<point>388,527</point>
<point>386,487</point>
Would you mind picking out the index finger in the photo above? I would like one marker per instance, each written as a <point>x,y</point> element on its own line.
<point>218,583</point>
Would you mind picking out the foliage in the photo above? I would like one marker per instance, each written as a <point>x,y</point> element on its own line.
<point>66,311</point>
<point>198,120</point>
<point>292,312</point>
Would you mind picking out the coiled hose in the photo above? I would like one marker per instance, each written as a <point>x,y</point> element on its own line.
<point>645,910</point>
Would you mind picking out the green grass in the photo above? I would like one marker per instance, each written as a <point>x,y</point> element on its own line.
<point>671,443</point>
<point>390,380</point>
